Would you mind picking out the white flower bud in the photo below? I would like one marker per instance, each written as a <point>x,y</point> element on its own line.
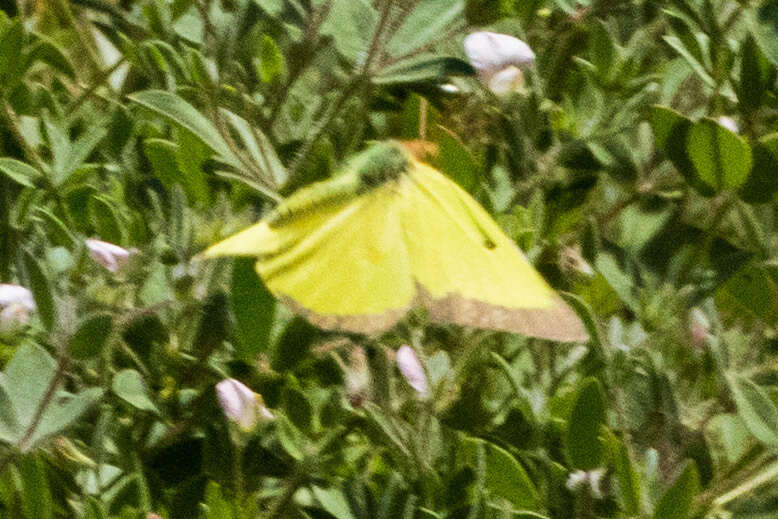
<point>241,405</point>
<point>110,256</point>
<point>699,326</point>
<point>357,377</point>
<point>498,59</point>
<point>16,303</point>
<point>10,294</point>
<point>412,370</point>
<point>587,481</point>
<point>729,123</point>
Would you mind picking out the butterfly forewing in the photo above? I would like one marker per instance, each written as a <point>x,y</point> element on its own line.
<point>347,268</point>
<point>469,271</point>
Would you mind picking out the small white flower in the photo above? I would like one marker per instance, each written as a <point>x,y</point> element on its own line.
<point>412,370</point>
<point>729,123</point>
<point>590,481</point>
<point>16,303</point>
<point>110,256</point>
<point>498,59</point>
<point>572,258</point>
<point>241,405</point>
<point>16,294</point>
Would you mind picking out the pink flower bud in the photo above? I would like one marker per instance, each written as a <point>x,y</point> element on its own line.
<point>241,405</point>
<point>412,370</point>
<point>110,256</point>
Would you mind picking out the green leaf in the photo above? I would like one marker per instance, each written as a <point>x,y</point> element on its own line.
<point>290,437</point>
<point>179,111</point>
<point>162,155</point>
<point>62,412</point>
<point>216,506</point>
<point>297,408</point>
<point>9,425</point>
<point>671,130</point>
<point>751,291</point>
<point>259,147</point>
<point>629,480</point>
<point>721,158</point>
<point>19,172</point>
<point>191,155</point>
<point>763,25</point>
<point>619,281</point>
<point>584,445</point>
<point>59,233</point>
<point>505,477</point>
<point>198,69</point>
<point>272,64</point>
<point>677,502</point>
<point>427,23</point>
<point>48,52</point>
<point>105,220</point>
<point>755,408</point>
<point>254,308</point>
<point>663,119</point>
<point>91,336</point>
<point>11,44</point>
<point>27,378</point>
<point>75,153</point>
<point>456,161</point>
<point>294,344</point>
<point>729,436</point>
<point>754,70</point>
<point>214,326</point>
<point>762,182</point>
<point>128,385</point>
<point>421,69</point>
<point>41,290</point>
<point>36,496</point>
<point>678,45</point>
<point>333,501</point>
<point>351,23</point>
<point>602,48</point>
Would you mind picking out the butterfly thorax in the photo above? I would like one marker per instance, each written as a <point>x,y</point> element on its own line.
<point>381,163</point>
<point>377,165</point>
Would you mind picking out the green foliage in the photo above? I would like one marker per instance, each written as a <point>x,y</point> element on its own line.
<point>162,127</point>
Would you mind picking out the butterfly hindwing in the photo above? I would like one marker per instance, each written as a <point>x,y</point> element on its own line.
<point>342,265</point>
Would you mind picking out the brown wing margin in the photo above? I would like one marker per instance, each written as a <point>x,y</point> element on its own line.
<point>557,323</point>
<point>373,324</point>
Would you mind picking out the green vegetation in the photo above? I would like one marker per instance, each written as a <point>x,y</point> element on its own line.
<point>629,147</point>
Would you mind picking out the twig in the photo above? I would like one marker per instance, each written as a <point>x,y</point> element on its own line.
<point>99,81</point>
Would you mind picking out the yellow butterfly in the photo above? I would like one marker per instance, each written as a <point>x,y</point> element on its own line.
<point>390,233</point>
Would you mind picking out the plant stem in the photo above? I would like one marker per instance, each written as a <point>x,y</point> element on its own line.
<point>285,498</point>
<point>237,468</point>
<point>766,476</point>
<point>361,78</point>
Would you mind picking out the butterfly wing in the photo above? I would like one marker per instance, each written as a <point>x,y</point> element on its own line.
<point>469,272</point>
<point>342,265</point>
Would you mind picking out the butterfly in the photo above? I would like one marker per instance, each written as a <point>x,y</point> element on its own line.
<point>389,233</point>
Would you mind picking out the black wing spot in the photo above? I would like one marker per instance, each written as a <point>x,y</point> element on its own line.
<point>489,244</point>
